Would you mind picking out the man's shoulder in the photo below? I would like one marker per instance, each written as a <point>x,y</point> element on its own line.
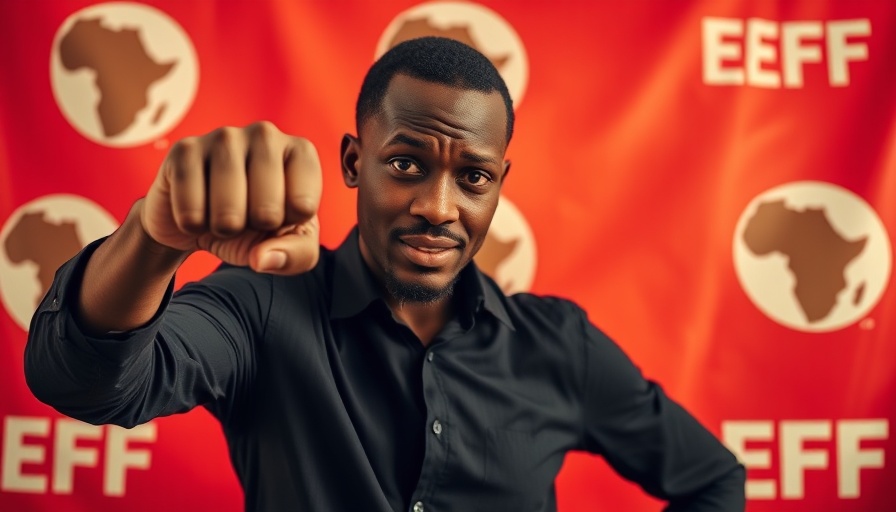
<point>547,302</point>
<point>553,307</point>
<point>521,306</point>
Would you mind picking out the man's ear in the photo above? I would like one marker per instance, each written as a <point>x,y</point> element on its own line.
<point>350,156</point>
<point>506,171</point>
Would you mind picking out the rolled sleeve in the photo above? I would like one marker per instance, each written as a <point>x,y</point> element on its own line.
<point>71,370</point>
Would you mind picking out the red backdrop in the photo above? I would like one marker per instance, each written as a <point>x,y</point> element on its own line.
<point>715,182</point>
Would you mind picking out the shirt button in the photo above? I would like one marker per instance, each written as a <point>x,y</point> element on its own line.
<point>437,427</point>
<point>429,356</point>
<point>418,507</point>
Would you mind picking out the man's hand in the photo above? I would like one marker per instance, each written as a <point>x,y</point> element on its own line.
<point>247,195</point>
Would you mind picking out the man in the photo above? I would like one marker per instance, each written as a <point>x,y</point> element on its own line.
<point>389,374</point>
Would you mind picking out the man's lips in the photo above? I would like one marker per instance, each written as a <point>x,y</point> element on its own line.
<point>428,242</point>
<point>428,251</point>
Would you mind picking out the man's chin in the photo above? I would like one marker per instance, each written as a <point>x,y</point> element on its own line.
<point>417,291</point>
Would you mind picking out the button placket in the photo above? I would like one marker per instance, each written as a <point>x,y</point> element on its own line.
<point>435,456</point>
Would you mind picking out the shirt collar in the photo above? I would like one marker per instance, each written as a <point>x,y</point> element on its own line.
<point>355,288</point>
<point>486,294</point>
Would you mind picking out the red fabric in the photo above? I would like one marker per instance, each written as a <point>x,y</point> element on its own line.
<point>634,168</point>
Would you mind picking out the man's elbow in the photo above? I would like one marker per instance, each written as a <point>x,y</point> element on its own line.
<point>724,494</point>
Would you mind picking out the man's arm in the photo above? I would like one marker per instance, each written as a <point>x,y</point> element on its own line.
<point>650,439</point>
<point>249,196</point>
<point>197,349</point>
<point>126,278</point>
<point>98,348</point>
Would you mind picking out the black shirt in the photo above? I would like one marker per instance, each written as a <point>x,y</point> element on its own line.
<point>330,404</point>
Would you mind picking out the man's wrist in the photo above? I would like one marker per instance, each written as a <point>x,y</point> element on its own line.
<point>148,245</point>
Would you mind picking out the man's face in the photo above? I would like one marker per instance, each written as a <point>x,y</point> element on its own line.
<point>428,169</point>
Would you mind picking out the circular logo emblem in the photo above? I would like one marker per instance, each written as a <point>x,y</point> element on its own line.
<point>812,256</point>
<point>469,23</point>
<point>123,74</point>
<point>508,253</point>
<point>39,237</point>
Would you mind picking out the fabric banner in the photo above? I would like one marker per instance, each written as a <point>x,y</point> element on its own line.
<point>714,182</point>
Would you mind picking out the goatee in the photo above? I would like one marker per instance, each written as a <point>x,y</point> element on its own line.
<point>403,291</point>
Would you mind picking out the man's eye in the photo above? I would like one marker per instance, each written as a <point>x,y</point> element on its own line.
<point>403,165</point>
<point>478,178</point>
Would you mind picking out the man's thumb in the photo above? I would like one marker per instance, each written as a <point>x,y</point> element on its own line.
<point>272,261</point>
<point>286,254</point>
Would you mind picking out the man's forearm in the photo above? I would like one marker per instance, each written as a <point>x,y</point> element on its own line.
<point>117,284</point>
<point>126,279</point>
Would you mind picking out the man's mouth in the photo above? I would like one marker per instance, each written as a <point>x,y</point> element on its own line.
<point>429,242</point>
<point>427,250</point>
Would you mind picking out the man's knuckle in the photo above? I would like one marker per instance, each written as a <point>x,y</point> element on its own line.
<point>303,204</point>
<point>267,216</point>
<point>304,146</point>
<point>190,221</point>
<point>178,173</point>
<point>181,151</point>
<point>264,130</point>
<point>225,136</point>
<point>228,222</point>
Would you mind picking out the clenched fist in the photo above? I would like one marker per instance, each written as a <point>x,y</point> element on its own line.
<point>247,195</point>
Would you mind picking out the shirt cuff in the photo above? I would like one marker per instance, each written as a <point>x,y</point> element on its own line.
<point>112,347</point>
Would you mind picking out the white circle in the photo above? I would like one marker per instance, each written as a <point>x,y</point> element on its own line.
<point>494,37</point>
<point>770,280</point>
<point>67,216</point>
<point>137,28</point>
<point>509,229</point>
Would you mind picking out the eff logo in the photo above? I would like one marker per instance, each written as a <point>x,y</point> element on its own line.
<point>771,54</point>
<point>123,74</point>
<point>36,239</point>
<point>812,256</point>
<point>806,445</point>
<point>24,439</point>
<point>471,24</point>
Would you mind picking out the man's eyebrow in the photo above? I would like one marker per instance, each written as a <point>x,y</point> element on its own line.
<point>478,159</point>
<point>403,138</point>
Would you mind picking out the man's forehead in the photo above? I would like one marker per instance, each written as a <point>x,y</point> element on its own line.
<point>405,89</point>
<point>411,99</point>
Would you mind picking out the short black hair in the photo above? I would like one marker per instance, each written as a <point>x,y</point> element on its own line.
<point>433,59</point>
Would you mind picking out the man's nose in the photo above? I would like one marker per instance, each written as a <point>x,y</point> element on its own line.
<point>436,200</point>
